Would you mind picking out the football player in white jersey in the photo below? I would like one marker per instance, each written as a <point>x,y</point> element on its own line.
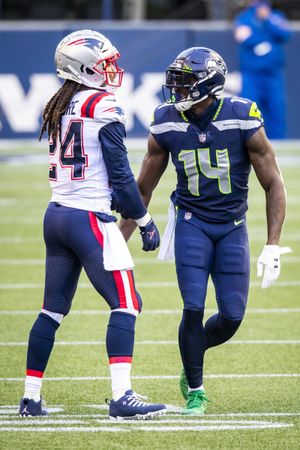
<point>89,165</point>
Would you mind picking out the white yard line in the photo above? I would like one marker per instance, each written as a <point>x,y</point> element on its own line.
<point>136,427</point>
<point>44,421</point>
<point>137,261</point>
<point>166,377</point>
<point>145,284</point>
<point>150,342</point>
<point>159,312</point>
<point>253,236</point>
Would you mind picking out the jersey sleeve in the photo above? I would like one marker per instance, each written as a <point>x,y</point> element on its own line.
<point>157,128</point>
<point>109,110</point>
<point>254,121</point>
<point>104,108</point>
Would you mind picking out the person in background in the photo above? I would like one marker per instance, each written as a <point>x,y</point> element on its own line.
<point>261,33</point>
<point>88,163</point>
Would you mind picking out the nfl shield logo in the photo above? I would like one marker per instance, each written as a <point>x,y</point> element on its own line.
<point>187,215</point>
<point>202,137</point>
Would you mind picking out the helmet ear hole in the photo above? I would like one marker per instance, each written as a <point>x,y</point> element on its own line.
<point>86,70</point>
<point>89,71</point>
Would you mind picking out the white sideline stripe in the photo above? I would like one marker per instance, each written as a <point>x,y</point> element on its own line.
<point>78,343</point>
<point>138,261</point>
<point>177,409</point>
<point>6,414</point>
<point>167,377</point>
<point>96,312</point>
<point>35,421</point>
<point>146,284</point>
<point>135,427</point>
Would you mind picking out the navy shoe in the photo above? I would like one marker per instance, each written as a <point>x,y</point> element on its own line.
<point>29,408</point>
<point>130,407</point>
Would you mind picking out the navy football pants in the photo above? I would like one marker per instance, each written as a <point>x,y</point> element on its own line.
<point>73,241</point>
<point>221,251</point>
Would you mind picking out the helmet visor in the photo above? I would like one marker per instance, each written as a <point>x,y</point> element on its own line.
<point>177,86</point>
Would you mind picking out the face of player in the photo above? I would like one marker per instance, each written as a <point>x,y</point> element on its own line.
<point>180,84</point>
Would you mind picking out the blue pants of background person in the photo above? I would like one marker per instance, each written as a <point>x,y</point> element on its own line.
<point>222,251</point>
<point>267,90</point>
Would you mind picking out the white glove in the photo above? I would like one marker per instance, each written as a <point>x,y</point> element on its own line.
<point>270,261</point>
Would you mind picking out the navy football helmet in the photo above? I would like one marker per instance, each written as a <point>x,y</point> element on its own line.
<point>196,73</point>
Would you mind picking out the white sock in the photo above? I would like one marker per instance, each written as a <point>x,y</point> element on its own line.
<point>33,386</point>
<point>201,388</point>
<point>120,379</point>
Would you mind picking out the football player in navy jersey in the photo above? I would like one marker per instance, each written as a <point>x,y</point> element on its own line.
<point>88,165</point>
<point>213,142</point>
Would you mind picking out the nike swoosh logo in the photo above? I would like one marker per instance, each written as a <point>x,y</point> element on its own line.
<point>237,222</point>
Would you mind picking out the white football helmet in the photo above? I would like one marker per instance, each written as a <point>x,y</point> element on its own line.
<point>88,58</point>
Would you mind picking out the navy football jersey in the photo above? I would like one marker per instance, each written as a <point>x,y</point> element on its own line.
<point>210,157</point>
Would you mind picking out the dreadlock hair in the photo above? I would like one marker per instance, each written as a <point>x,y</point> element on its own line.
<point>56,107</point>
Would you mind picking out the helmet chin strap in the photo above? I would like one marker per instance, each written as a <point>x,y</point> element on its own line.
<point>185,105</point>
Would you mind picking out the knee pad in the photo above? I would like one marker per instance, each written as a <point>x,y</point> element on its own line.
<point>120,334</point>
<point>123,318</point>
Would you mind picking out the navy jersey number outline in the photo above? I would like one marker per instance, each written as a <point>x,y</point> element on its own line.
<point>71,154</point>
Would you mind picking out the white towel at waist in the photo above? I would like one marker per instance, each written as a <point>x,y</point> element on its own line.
<point>116,254</point>
<point>166,251</point>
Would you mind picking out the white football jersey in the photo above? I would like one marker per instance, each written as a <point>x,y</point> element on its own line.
<point>78,176</point>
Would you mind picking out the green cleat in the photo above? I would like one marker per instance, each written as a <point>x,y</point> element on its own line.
<point>196,404</point>
<point>183,384</point>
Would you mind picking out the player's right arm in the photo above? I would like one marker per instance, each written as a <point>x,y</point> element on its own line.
<point>153,166</point>
<point>268,173</point>
<point>263,160</point>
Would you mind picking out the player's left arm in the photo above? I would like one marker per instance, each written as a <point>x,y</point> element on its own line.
<point>153,166</point>
<point>264,162</point>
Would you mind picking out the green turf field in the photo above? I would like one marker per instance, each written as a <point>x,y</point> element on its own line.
<point>252,382</point>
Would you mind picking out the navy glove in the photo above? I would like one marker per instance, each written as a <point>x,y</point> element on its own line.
<point>150,236</point>
<point>115,206</point>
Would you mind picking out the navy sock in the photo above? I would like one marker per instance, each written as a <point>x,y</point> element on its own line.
<point>120,334</point>
<point>192,346</point>
<point>218,330</point>
<point>41,341</point>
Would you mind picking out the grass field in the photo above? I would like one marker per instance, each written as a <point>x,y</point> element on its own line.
<point>252,382</point>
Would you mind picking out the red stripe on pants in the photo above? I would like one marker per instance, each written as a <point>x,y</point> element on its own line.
<point>132,290</point>
<point>34,373</point>
<point>120,287</point>
<point>95,228</point>
<point>120,359</point>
